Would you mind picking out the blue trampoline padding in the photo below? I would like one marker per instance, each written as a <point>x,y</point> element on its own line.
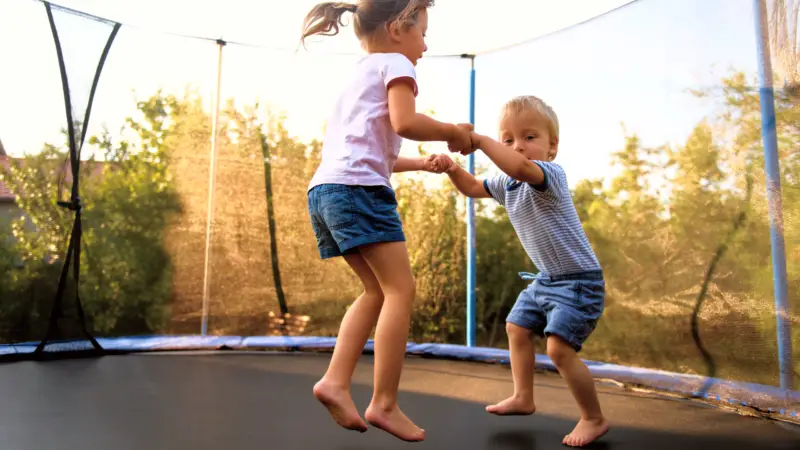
<point>770,398</point>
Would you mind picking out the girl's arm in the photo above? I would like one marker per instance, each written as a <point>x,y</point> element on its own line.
<point>404,164</point>
<point>411,125</point>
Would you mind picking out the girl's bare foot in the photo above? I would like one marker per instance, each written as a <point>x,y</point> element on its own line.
<point>586,432</point>
<point>514,406</point>
<point>340,405</point>
<point>394,422</point>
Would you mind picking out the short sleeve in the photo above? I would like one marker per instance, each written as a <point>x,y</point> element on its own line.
<point>555,183</point>
<point>496,187</point>
<point>397,66</point>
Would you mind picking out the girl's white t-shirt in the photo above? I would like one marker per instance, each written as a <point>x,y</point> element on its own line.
<point>360,146</point>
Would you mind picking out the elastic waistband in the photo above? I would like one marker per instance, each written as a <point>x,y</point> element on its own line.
<point>588,275</point>
<point>342,186</point>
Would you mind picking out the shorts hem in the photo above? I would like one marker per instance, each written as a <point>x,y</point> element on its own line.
<point>328,253</point>
<point>521,321</point>
<point>372,238</point>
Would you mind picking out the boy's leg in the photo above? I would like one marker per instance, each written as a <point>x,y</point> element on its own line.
<point>578,307</point>
<point>390,264</point>
<point>523,361</point>
<point>333,390</point>
<point>577,376</point>
<point>524,320</point>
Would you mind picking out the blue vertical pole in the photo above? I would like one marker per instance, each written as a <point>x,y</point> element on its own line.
<point>772,166</point>
<point>471,220</point>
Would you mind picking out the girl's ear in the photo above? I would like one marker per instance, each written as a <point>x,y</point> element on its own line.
<point>394,31</point>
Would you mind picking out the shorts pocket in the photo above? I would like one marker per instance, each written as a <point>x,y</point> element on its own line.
<point>382,199</point>
<point>337,207</point>
<point>592,298</point>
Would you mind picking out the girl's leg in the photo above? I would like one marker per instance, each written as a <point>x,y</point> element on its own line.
<point>390,264</point>
<point>333,390</point>
<point>592,424</point>
<point>523,361</point>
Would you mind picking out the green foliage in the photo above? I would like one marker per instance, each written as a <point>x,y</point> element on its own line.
<point>500,258</point>
<point>131,200</point>
<point>436,235</point>
<point>656,243</point>
<point>128,198</point>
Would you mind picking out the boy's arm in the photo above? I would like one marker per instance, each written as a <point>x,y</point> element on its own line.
<point>512,163</point>
<point>466,183</point>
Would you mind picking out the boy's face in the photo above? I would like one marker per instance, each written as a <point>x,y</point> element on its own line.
<point>527,133</point>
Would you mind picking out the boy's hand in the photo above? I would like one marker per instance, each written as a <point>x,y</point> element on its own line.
<point>462,139</point>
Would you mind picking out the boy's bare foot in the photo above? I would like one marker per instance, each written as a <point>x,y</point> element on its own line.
<point>394,422</point>
<point>340,405</point>
<point>586,432</point>
<point>513,406</point>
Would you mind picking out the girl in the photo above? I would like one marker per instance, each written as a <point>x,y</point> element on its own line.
<point>353,208</point>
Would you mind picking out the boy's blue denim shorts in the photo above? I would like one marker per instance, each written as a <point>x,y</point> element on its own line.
<point>346,217</point>
<point>567,306</point>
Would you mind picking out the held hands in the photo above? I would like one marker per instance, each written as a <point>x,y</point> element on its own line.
<point>439,164</point>
<point>462,139</point>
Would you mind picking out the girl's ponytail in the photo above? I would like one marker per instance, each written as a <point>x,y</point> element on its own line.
<point>325,18</point>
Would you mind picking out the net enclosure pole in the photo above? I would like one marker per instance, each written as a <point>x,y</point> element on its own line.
<point>471,256</point>
<point>211,176</point>
<point>773,184</point>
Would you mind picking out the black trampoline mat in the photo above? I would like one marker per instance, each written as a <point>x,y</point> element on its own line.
<point>230,401</point>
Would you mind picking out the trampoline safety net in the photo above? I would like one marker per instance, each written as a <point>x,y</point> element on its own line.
<point>134,206</point>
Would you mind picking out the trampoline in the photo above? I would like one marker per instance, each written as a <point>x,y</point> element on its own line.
<point>262,400</point>
<point>81,369</point>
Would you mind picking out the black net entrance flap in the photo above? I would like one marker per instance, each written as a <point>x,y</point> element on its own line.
<point>81,56</point>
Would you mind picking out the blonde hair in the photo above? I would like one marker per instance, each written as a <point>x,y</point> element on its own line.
<point>369,16</point>
<point>523,103</point>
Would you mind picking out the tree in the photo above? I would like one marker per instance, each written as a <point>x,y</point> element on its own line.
<point>500,258</point>
<point>783,41</point>
<point>125,271</point>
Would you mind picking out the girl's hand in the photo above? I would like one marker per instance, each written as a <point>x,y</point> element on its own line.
<point>461,141</point>
<point>474,140</point>
<point>439,164</point>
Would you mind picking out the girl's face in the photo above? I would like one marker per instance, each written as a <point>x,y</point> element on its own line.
<point>411,40</point>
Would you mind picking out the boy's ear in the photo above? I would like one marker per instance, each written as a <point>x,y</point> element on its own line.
<point>553,149</point>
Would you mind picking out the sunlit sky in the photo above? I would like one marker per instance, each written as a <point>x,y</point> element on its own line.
<point>631,66</point>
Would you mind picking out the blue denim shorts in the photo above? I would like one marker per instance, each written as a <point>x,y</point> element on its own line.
<point>345,217</point>
<point>567,306</point>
